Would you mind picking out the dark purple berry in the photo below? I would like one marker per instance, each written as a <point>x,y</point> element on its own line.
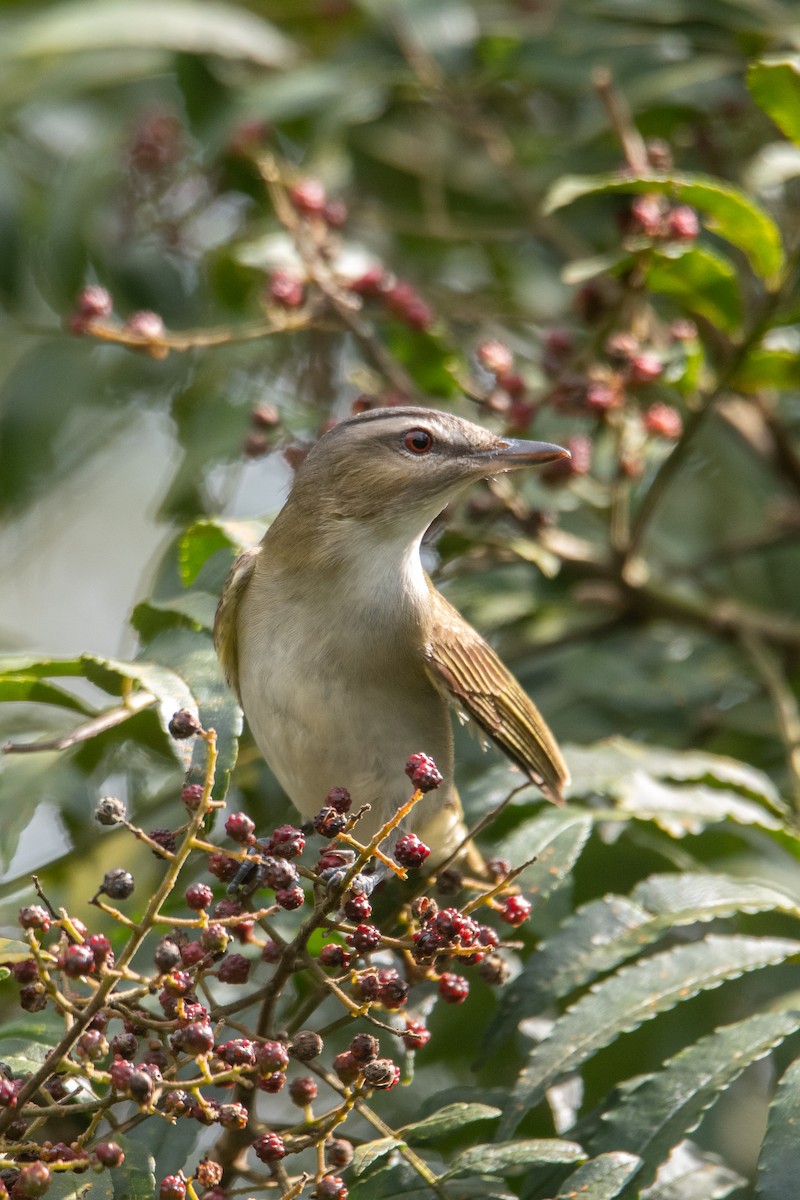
<point>197,1037</point>
<point>269,1148</point>
<point>357,908</point>
<point>234,969</point>
<point>183,724</point>
<point>77,961</point>
<point>340,799</point>
<point>290,898</point>
<point>164,838</point>
<point>240,827</point>
<point>328,822</point>
<point>364,938</point>
<point>117,884</point>
<point>272,1056</point>
<point>33,916</point>
<point>109,1154</point>
<point>198,896</point>
<point>410,851</point>
<point>346,1067</point>
<point>239,1052</point>
<point>339,1153</point>
<point>423,772</point>
<point>303,1091</point>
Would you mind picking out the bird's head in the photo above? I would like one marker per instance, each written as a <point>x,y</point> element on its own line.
<point>399,467</point>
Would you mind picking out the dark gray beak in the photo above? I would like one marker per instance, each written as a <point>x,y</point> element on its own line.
<point>511,453</point>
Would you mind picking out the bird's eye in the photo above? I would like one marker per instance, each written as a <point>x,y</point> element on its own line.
<point>418,441</point>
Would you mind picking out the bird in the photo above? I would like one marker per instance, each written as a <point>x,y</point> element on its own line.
<point>344,656</point>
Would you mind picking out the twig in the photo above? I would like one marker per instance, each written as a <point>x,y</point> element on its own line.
<point>784,703</point>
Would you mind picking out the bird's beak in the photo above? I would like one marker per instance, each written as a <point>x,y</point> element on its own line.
<point>510,453</point>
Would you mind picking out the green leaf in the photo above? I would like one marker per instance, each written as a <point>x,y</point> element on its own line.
<point>187,26</point>
<point>692,1174</point>
<point>555,838</point>
<point>660,1110</point>
<point>766,368</point>
<point>513,1158</point>
<point>633,995</point>
<point>135,1179</point>
<point>602,934</point>
<point>24,1057</point>
<point>192,610</point>
<point>369,1152</point>
<point>775,85</point>
<point>447,1120</point>
<point>12,950</point>
<point>601,1178</point>
<point>729,212</point>
<point>205,538</point>
<point>34,690</point>
<point>703,282</point>
<point>777,1164</point>
<point>66,1185</point>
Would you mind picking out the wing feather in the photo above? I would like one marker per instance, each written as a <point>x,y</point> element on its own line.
<point>463,665</point>
<point>226,624</point>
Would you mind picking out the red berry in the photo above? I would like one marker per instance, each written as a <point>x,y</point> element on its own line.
<point>109,1154</point>
<point>346,1067</point>
<point>192,796</point>
<point>100,947</point>
<point>335,214</point>
<point>240,827</point>
<point>495,356</point>
<point>234,969</point>
<point>239,1052</point>
<point>331,1187</point>
<point>364,938</point>
<point>340,799</point>
<point>198,896</point>
<point>357,908</point>
<point>515,910</point>
<point>290,898</point>
<point>308,197</point>
<point>645,367</point>
<point>271,1083</point>
<point>272,1056</point>
<point>663,420</point>
<point>334,955</point>
<point>34,1179</point>
<point>8,1094</point>
<point>682,224</point>
<point>286,289</point>
<point>409,851</point>
<point>178,983</point>
<point>303,1091</point>
<point>173,1187</point>
<point>33,916</point>
<point>416,1034</point>
<point>278,873</point>
<point>393,992</point>
<point>454,989</point>
<point>423,772</point>
<point>371,284</point>
<point>269,1147</point>
<point>77,961</point>
<point>222,866</point>
<point>407,305</point>
<point>93,301</point>
<point>647,215</point>
<point>683,330</point>
<point>197,1037</point>
<point>287,842</point>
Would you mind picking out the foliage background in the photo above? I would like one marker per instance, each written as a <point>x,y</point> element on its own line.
<point>444,128</point>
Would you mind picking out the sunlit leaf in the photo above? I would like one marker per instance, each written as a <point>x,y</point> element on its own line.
<point>775,84</point>
<point>777,1164</point>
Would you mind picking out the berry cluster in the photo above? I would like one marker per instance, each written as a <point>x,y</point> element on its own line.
<point>157,1041</point>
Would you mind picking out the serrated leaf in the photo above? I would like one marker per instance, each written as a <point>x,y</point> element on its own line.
<point>693,1174</point>
<point>555,838</point>
<point>205,538</point>
<point>135,1179</point>
<point>369,1152</point>
<point>665,1107</point>
<point>13,950</point>
<point>633,995</point>
<point>601,767</point>
<point>775,85</point>
<point>188,26</point>
<point>192,610</point>
<point>702,281</point>
<point>777,1163</point>
<point>601,1178</point>
<point>687,808</point>
<point>512,1158</point>
<point>730,213</point>
<point>447,1120</point>
<point>604,933</point>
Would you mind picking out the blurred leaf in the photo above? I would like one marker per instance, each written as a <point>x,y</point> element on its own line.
<point>204,538</point>
<point>604,933</point>
<point>703,283</point>
<point>24,1057</point>
<point>767,369</point>
<point>777,1163</point>
<point>135,1179</point>
<point>775,84</point>
<point>188,26</point>
<point>12,950</point>
<point>602,1178</point>
<point>35,690</point>
<point>657,1112</point>
<point>692,1174</point>
<point>515,1157</point>
<point>730,213</point>
<point>448,1119</point>
<point>193,610</point>
<point>633,995</point>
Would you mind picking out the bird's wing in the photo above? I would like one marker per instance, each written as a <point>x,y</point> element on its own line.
<point>226,622</point>
<point>466,668</point>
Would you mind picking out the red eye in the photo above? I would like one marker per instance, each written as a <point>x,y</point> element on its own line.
<point>418,441</point>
